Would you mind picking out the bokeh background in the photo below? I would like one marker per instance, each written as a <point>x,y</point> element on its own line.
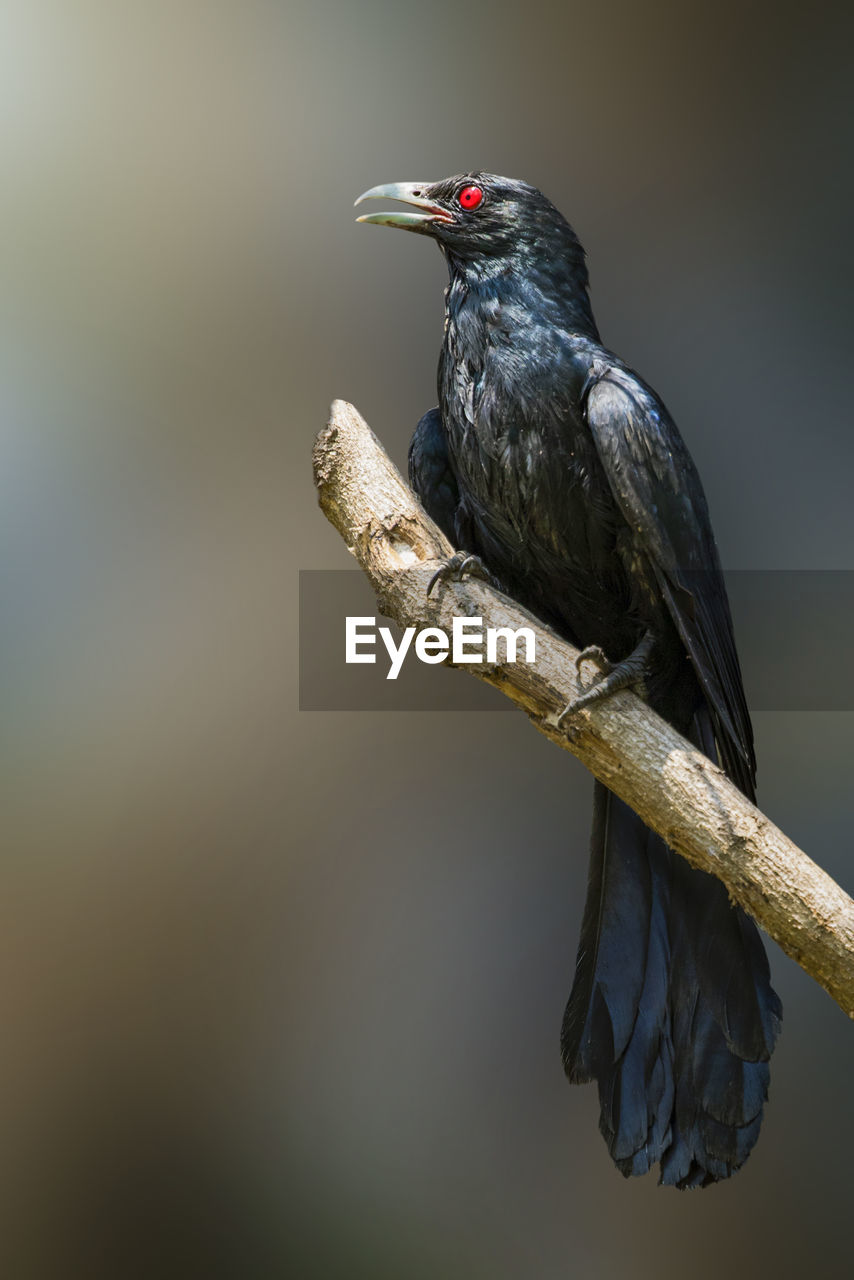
<point>281,991</point>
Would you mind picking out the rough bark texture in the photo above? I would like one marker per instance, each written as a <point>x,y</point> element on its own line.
<point>675,788</point>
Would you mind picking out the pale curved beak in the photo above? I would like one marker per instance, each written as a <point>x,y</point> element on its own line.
<point>408,193</point>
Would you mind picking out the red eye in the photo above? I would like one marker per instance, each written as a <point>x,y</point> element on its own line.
<point>470,197</point>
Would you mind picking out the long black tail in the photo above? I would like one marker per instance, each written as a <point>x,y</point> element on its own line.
<point>671,1011</point>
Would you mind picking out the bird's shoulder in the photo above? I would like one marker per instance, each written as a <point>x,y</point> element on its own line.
<point>650,470</point>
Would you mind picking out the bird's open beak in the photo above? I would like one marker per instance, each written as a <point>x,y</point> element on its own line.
<point>409,193</point>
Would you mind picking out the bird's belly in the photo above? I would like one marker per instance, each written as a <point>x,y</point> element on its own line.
<point>541,516</point>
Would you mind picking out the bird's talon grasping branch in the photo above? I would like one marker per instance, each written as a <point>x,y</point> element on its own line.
<point>616,679</point>
<point>630,671</point>
<point>593,653</point>
<point>567,711</point>
<point>460,565</point>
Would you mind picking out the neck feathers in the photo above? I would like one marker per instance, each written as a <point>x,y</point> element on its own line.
<point>551,287</point>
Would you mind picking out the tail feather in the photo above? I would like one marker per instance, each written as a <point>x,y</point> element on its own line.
<point>614,933</point>
<point>671,1011</point>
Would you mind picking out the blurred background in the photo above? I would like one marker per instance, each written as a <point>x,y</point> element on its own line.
<point>281,991</point>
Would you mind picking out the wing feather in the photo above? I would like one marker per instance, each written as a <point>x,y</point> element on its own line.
<point>658,490</point>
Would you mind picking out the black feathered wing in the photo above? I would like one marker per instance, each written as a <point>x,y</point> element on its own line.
<point>672,1011</point>
<point>656,486</point>
<point>431,474</point>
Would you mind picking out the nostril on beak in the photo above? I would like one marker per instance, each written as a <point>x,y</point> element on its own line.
<point>417,193</point>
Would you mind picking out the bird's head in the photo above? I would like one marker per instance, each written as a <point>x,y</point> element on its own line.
<point>473,214</point>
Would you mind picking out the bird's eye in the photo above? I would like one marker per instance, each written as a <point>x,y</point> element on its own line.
<point>470,197</point>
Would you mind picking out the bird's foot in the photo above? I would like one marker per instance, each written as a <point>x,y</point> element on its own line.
<point>460,565</point>
<point>593,653</point>
<point>612,677</point>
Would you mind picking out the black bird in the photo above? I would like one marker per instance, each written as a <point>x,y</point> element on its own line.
<point>561,469</point>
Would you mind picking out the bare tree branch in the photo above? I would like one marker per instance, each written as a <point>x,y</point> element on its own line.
<point>676,790</point>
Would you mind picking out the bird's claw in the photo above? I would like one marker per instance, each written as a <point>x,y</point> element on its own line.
<point>630,671</point>
<point>460,564</point>
<point>593,653</point>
